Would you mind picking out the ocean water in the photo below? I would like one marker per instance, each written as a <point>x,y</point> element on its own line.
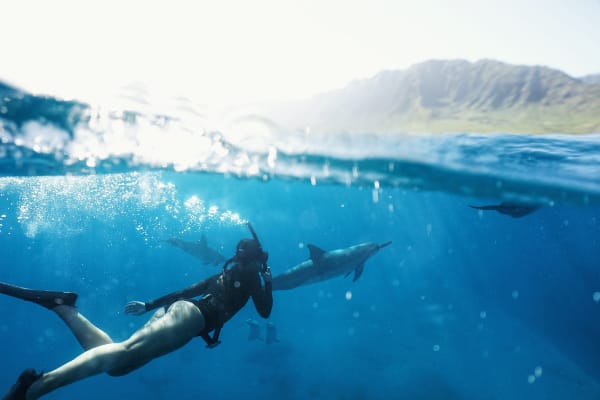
<point>464,304</point>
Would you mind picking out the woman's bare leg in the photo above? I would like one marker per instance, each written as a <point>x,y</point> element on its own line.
<point>182,322</point>
<point>87,334</point>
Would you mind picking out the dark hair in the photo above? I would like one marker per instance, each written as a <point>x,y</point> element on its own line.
<point>250,250</point>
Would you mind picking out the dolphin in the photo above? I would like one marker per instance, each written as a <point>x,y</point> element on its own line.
<point>254,331</point>
<point>200,250</point>
<point>515,210</point>
<point>323,265</point>
<point>271,336</point>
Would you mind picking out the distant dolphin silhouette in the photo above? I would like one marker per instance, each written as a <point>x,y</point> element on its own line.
<point>254,331</point>
<point>200,250</point>
<point>323,265</point>
<point>271,336</point>
<point>515,210</point>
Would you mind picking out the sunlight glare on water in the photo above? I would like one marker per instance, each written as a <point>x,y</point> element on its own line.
<point>68,205</point>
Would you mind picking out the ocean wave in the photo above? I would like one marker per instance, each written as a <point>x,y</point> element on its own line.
<point>47,136</point>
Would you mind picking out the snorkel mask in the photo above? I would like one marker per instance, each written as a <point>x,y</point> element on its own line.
<point>248,251</point>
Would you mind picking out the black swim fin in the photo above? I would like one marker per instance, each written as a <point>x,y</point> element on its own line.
<point>19,389</point>
<point>44,298</point>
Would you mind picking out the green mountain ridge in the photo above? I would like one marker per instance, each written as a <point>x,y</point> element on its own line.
<point>593,79</point>
<point>453,96</point>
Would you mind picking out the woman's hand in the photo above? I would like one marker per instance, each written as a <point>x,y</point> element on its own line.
<point>135,308</point>
<point>266,274</point>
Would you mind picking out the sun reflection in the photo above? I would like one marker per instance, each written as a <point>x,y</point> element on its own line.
<point>68,205</point>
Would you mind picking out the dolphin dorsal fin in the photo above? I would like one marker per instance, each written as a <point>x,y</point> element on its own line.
<point>203,241</point>
<point>316,253</point>
<point>358,272</point>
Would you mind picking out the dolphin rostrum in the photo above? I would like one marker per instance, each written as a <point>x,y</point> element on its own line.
<point>200,250</point>
<point>323,265</point>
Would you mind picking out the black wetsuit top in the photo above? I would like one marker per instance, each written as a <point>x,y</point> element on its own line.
<point>224,294</point>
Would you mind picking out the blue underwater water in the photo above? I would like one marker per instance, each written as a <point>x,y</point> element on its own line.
<point>464,304</point>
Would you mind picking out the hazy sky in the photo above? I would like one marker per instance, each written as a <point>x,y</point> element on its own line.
<point>232,51</point>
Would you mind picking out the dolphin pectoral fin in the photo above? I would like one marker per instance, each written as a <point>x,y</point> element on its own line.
<point>358,272</point>
<point>316,253</point>
<point>202,242</point>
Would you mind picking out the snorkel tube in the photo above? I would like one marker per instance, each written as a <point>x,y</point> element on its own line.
<point>255,237</point>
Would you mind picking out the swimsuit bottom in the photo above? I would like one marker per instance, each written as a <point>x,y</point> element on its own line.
<point>211,310</point>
